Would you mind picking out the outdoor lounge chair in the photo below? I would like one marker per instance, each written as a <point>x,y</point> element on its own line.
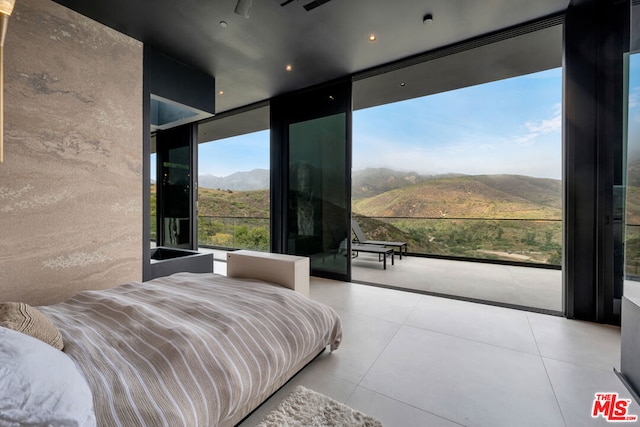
<point>382,251</point>
<point>361,239</point>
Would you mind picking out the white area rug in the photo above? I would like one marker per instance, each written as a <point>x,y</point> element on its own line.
<point>307,408</point>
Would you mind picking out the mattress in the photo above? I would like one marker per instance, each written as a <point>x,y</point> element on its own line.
<point>190,349</point>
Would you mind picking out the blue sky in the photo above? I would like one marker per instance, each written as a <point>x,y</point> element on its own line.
<point>633,138</point>
<point>229,155</point>
<point>511,126</point>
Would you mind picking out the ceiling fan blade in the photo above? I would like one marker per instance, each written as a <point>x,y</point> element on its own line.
<point>243,8</point>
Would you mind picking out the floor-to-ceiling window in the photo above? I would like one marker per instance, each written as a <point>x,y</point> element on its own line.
<point>468,168</point>
<point>311,146</point>
<point>233,192</point>
<point>316,192</point>
<point>472,173</point>
<point>632,203</point>
<point>233,184</point>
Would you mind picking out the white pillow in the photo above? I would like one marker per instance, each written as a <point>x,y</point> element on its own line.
<point>40,385</point>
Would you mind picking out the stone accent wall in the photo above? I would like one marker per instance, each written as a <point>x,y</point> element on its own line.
<point>71,182</point>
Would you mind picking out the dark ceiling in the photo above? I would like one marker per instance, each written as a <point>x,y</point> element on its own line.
<point>248,56</point>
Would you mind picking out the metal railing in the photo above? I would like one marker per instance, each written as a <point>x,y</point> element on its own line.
<point>537,241</point>
<point>510,239</point>
<point>234,232</point>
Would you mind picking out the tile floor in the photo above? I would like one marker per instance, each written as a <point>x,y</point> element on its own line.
<point>417,360</point>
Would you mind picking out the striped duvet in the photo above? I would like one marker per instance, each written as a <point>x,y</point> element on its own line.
<point>190,349</point>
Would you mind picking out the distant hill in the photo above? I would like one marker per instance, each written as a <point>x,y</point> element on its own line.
<point>373,181</point>
<point>254,203</point>
<point>384,192</point>
<point>380,193</point>
<point>257,179</point>
<point>481,196</point>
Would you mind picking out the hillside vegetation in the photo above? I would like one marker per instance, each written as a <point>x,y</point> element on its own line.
<point>229,203</point>
<point>448,215</point>
<point>464,215</point>
<point>508,217</point>
<point>236,219</point>
<point>484,196</point>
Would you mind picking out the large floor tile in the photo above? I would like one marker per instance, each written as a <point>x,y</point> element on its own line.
<point>575,387</point>
<point>417,360</point>
<point>381,303</point>
<point>488,324</point>
<point>465,381</point>
<point>313,379</point>
<point>363,340</point>
<point>574,341</point>
<point>393,413</point>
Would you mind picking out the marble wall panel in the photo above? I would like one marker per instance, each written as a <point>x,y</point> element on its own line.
<point>71,182</point>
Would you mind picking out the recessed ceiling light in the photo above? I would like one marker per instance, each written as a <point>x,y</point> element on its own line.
<point>289,67</point>
<point>427,19</point>
<point>223,24</point>
<point>403,84</point>
<point>221,92</point>
<point>372,38</point>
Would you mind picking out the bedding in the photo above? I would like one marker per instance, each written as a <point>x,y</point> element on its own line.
<point>190,349</point>
<point>40,385</point>
<point>23,318</point>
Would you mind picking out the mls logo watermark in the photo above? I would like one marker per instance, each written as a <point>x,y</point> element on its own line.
<point>611,408</point>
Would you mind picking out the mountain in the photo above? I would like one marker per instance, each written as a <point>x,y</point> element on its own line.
<point>480,196</point>
<point>404,198</point>
<point>385,192</point>
<point>541,191</point>
<point>257,179</point>
<point>373,181</point>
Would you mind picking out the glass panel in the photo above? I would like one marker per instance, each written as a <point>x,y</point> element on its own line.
<point>317,200</point>
<point>163,113</point>
<point>632,235</point>
<point>174,193</point>
<point>175,198</point>
<point>233,192</point>
<point>474,174</point>
<point>153,198</point>
<point>167,114</point>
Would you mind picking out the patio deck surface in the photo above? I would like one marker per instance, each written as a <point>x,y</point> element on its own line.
<point>514,285</point>
<point>520,286</point>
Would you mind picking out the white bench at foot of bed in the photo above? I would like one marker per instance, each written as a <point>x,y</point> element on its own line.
<point>289,271</point>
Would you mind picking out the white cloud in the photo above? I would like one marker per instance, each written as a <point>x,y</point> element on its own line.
<point>534,129</point>
<point>467,149</point>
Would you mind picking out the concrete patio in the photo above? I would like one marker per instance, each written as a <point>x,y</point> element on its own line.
<point>520,286</point>
<point>523,286</point>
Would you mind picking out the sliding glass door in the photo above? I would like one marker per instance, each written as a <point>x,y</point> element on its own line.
<point>316,193</point>
<point>311,202</point>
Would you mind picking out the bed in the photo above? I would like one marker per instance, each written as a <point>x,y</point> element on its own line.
<point>183,350</point>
